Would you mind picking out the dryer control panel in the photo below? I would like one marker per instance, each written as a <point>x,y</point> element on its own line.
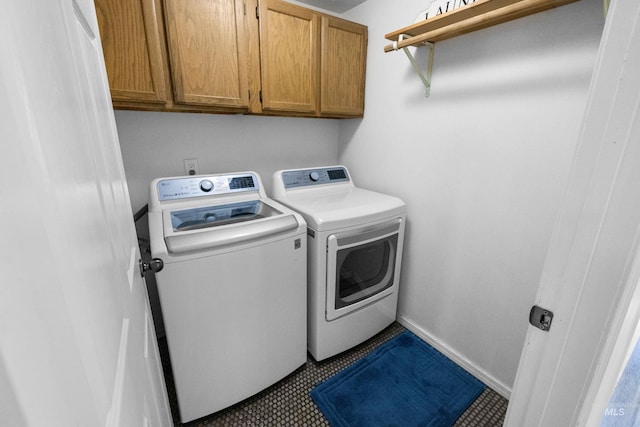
<point>317,176</point>
<point>201,186</point>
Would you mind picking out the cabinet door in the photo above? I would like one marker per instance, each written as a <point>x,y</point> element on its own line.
<point>289,55</point>
<point>208,52</point>
<point>133,49</point>
<point>343,59</point>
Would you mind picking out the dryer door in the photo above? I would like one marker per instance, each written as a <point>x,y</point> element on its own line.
<point>361,267</point>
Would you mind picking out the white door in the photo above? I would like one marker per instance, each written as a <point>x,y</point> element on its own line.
<point>77,344</point>
<point>589,267</point>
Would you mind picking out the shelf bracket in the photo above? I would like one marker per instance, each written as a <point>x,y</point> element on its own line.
<point>425,77</point>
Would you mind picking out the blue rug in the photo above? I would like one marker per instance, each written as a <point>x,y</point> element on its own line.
<point>404,382</point>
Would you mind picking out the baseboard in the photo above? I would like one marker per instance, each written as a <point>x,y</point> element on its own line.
<point>470,367</point>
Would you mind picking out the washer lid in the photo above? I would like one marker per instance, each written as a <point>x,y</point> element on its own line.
<point>329,208</point>
<point>217,215</point>
<point>206,227</point>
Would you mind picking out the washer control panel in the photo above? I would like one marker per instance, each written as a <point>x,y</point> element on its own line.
<point>199,186</point>
<point>319,176</point>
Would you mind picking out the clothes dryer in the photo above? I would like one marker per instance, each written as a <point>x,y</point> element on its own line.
<point>233,288</point>
<point>355,240</point>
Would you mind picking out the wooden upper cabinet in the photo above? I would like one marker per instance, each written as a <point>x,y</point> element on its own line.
<point>222,56</point>
<point>343,59</point>
<point>133,49</point>
<point>289,57</point>
<point>208,52</point>
<point>311,63</point>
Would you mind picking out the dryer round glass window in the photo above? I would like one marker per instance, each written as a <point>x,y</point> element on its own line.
<point>363,271</point>
<point>361,267</point>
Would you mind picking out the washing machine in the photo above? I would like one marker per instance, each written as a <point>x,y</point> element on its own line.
<point>355,240</point>
<point>233,288</point>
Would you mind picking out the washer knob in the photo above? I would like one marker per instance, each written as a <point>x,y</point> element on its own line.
<point>206,185</point>
<point>314,176</point>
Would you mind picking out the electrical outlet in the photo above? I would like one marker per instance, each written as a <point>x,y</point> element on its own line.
<point>191,166</point>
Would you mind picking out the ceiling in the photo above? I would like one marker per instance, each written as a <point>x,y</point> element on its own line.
<point>337,6</point>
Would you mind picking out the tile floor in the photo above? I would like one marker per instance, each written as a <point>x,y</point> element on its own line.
<point>288,404</point>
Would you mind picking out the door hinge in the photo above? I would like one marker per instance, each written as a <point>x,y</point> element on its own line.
<point>260,97</point>
<point>540,318</point>
<point>257,13</point>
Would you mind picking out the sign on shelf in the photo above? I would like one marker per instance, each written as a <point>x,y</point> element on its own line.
<point>438,7</point>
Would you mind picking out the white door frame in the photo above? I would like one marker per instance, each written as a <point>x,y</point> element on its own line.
<point>590,265</point>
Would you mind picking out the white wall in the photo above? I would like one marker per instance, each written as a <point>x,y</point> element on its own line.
<point>481,165</point>
<point>155,144</point>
